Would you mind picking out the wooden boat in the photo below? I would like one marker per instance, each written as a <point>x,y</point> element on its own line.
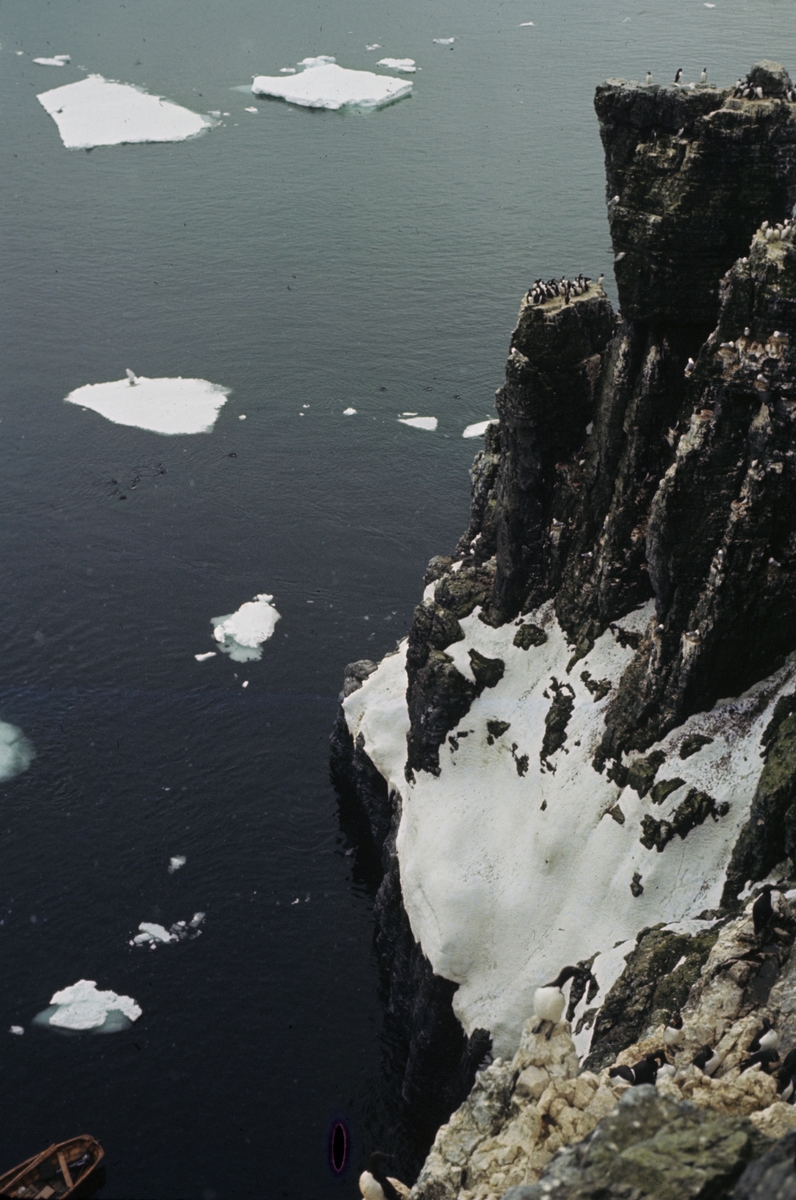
<point>56,1172</point>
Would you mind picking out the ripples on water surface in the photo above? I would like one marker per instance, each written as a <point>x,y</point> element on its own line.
<point>328,260</point>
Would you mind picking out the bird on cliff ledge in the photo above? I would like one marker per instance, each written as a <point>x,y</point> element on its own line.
<point>766,1037</point>
<point>679,73</point>
<point>649,76</point>
<point>375,1185</point>
<point>548,1001</point>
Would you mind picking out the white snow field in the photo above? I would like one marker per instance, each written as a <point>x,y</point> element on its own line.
<point>429,423</point>
<point>479,428</point>
<point>102,112</point>
<point>324,84</point>
<point>81,1007</point>
<point>168,406</point>
<point>510,870</point>
<point>241,634</point>
<point>398,64</point>
<point>16,752</point>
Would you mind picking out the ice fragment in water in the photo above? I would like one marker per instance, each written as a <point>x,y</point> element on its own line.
<point>525,24</point>
<point>372,46</point>
<point>324,84</point>
<point>251,110</point>
<point>480,427</point>
<point>242,416</point>
<point>57,60</point>
<point>444,41</point>
<point>102,112</point>
<point>349,412</point>
<point>241,634</point>
<point>82,1007</point>
<point>168,406</point>
<point>175,862</point>
<point>429,423</point>
<point>16,752</point>
<point>245,683</point>
<point>287,70</point>
<point>204,657</point>
<point>397,64</point>
<point>17,1029</point>
<point>153,935</point>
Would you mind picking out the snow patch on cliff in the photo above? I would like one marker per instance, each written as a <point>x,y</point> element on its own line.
<point>511,868</point>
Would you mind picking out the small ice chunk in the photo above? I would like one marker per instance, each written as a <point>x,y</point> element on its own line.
<point>478,429</point>
<point>242,416</point>
<point>204,657</point>
<point>241,634</point>
<point>398,64</point>
<point>444,41</point>
<point>251,110</point>
<point>17,1029</point>
<point>57,60</point>
<point>409,414</point>
<point>102,112</point>
<point>287,70</point>
<point>429,423</point>
<point>168,406</point>
<point>175,862</point>
<point>82,1007</point>
<point>710,6</point>
<point>16,752</point>
<point>245,683</point>
<point>349,412</point>
<point>372,46</point>
<point>152,934</point>
<point>215,112</point>
<point>197,919</point>
<point>525,24</point>
<point>324,84</point>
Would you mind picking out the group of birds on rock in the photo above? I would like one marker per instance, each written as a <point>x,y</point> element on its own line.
<point>781,231</point>
<point>376,1184</point>
<point>550,289</point>
<point>746,90</point>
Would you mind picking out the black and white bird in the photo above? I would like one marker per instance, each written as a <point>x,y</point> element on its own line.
<point>131,376</point>
<point>708,1060</point>
<point>375,1184</point>
<point>649,76</point>
<point>766,1038</point>
<point>645,1071</point>
<point>786,1090</point>
<point>679,73</point>
<point>764,1058</point>
<point>763,909</point>
<point>548,1001</point>
<point>703,78</point>
<point>673,1034</point>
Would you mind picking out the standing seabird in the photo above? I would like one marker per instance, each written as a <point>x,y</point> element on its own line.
<point>649,76</point>
<point>133,378</point>
<point>763,909</point>
<point>374,1184</point>
<point>645,1071</point>
<point>765,1058</point>
<point>673,1034</point>
<point>766,1038</point>
<point>708,1060</point>
<point>679,73</point>
<point>703,78</point>
<point>548,1001</point>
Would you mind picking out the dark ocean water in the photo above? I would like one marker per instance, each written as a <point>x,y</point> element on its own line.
<point>300,258</point>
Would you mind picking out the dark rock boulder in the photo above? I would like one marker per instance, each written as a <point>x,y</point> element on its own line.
<point>772,1177</point>
<point>650,1148</point>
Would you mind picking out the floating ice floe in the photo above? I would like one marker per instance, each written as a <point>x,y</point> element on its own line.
<point>525,24</point>
<point>287,70</point>
<point>444,41</point>
<point>374,46</point>
<point>324,84</point>
<point>57,60</point>
<point>349,412</point>
<point>177,860</point>
<point>102,112</point>
<point>17,1029</point>
<point>16,752</point>
<point>154,935</point>
<point>429,423</point>
<point>204,657</point>
<point>241,634</point>
<point>81,1007</point>
<point>168,406</point>
<point>254,110</point>
<point>398,64</point>
<point>478,429</point>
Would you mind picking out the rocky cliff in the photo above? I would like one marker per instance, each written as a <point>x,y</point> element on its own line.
<point>590,732</point>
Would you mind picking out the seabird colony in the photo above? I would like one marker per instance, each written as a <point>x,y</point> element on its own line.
<point>746,90</point>
<point>542,290</point>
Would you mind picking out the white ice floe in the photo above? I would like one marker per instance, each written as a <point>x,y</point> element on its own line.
<point>154,935</point>
<point>57,60</point>
<point>287,70</point>
<point>81,1007</point>
<point>168,406</point>
<point>176,861</point>
<point>324,84</point>
<point>525,24</point>
<point>102,112</point>
<point>254,110</point>
<point>204,657</point>
<point>398,64</point>
<point>17,1029</point>
<point>349,412</point>
<point>241,634</point>
<point>429,423</point>
<point>509,868</point>
<point>444,41</point>
<point>374,46</point>
<point>479,428</point>
<point>16,752</point>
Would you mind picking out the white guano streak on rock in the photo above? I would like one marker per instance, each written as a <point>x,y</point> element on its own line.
<point>501,894</point>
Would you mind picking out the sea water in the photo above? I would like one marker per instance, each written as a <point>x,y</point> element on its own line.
<point>314,263</point>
